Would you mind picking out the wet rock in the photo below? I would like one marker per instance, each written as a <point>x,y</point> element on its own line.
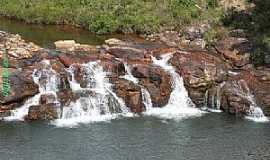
<point>22,87</point>
<point>131,94</point>
<point>133,52</point>
<point>65,97</point>
<point>47,99</point>
<point>234,99</point>
<point>156,81</point>
<point>42,112</point>
<point>113,67</point>
<point>200,72</point>
<point>4,113</point>
<point>69,59</point>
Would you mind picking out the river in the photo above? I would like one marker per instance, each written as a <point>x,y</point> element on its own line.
<point>210,136</point>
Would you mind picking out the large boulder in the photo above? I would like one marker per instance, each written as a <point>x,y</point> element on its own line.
<point>156,81</point>
<point>22,87</point>
<point>42,112</point>
<point>235,98</point>
<point>130,93</point>
<point>200,71</point>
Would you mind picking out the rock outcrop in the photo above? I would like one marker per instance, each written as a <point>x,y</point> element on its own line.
<point>225,76</point>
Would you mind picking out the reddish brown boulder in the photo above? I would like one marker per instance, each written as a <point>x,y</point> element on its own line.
<point>42,112</point>
<point>156,81</point>
<point>131,94</point>
<point>200,71</point>
<point>234,99</point>
<point>22,87</point>
<point>69,59</point>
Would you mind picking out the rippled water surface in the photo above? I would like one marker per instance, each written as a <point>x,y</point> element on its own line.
<point>210,137</point>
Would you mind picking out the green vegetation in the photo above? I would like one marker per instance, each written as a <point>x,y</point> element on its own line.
<point>256,23</point>
<point>150,16</point>
<point>107,16</point>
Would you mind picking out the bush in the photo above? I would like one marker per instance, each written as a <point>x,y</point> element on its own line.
<point>107,16</point>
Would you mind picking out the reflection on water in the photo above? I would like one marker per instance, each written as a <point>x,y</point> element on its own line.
<point>45,35</point>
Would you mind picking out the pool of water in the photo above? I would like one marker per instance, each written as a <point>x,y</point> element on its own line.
<point>210,137</point>
<point>46,35</point>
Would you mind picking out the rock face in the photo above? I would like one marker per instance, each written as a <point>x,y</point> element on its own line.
<point>235,50</point>
<point>225,77</point>
<point>131,94</point>
<point>235,98</point>
<point>156,81</point>
<point>200,72</point>
<point>42,112</point>
<point>22,87</point>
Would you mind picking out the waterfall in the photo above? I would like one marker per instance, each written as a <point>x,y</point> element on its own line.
<point>129,75</point>
<point>179,105</point>
<point>47,80</point>
<point>255,112</point>
<point>146,97</point>
<point>97,101</point>
<point>218,95</point>
<point>215,99</point>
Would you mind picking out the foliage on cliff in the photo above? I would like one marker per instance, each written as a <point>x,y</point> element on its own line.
<point>255,21</point>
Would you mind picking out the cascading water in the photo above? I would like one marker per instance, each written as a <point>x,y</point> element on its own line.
<point>146,97</point>
<point>47,80</point>
<point>97,102</point>
<point>180,105</point>
<point>129,75</point>
<point>255,112</point>
<point>214,99</point>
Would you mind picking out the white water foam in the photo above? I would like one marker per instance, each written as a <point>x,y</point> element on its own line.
<point>180,105</point>
<point>129,75</point>
<point>46,79</point>
<point>97,103</point>
<point>215,100</point>
<point>146,97</point>
<point>255,112</point>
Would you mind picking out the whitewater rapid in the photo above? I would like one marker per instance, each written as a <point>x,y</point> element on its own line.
<point>98,102</point>
<point>179,105</point>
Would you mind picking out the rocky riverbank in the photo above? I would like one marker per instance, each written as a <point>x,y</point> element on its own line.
<point>221,78</point>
